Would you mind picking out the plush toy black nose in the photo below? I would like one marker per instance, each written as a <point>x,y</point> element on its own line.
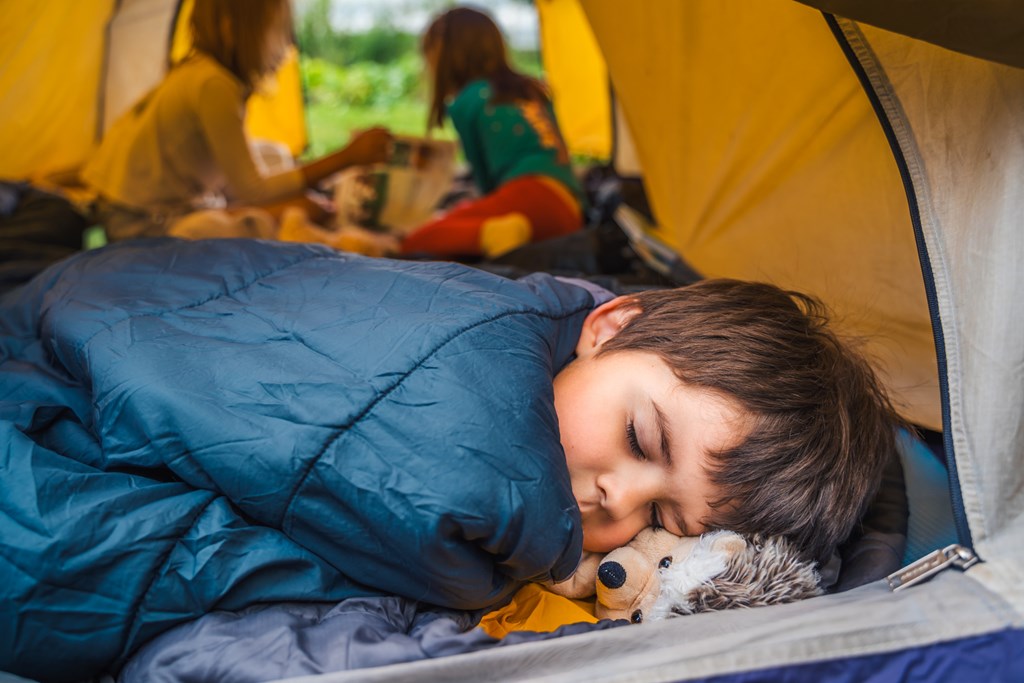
<point>611,574</point>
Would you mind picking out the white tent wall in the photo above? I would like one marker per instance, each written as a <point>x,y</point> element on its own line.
<point>967,167</point>
<point>138,45</point>
<point>626,162</point>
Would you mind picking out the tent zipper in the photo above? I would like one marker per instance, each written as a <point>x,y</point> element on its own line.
<point>954,555</point>
<point>956,496</point>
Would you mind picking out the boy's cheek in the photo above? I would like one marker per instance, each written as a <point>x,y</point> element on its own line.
<point>603,537</point>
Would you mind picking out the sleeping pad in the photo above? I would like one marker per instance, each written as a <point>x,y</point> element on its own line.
<point>197,426</point>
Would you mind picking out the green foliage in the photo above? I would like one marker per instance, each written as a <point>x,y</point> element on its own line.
<point>331,127</point>
<point>375,78</point>
<point>381,44</point>
<point>361,84</point>
<point>527,62</point>
<point>313,32</point>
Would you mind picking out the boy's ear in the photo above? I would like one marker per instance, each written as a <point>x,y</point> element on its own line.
<point>603,323</point>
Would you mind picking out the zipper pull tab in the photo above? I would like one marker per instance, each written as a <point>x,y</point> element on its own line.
<point>934,562</point>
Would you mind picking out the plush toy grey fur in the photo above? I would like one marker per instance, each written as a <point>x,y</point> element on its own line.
<point>757,571</point>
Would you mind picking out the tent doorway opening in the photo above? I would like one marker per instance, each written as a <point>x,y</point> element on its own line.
<point>361,64</point>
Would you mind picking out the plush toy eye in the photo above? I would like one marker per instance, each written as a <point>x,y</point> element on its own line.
<point>665,562</point>
<point>636,617</point>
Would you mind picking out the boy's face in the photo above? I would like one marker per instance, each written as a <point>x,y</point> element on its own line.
<point>636,438</point>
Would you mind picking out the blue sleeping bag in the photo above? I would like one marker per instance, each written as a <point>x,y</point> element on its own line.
<point>190,426</point>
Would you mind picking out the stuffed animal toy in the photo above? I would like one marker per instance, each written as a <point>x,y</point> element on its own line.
<point>659,575</point>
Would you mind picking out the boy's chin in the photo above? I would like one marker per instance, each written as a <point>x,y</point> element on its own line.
<point>603,540</point>
<point>597,545</point>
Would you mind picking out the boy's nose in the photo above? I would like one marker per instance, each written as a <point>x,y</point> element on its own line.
<point>628,492</point>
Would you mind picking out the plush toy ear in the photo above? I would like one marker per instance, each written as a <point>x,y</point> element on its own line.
<point>729,543</point>
<point>583,582</point>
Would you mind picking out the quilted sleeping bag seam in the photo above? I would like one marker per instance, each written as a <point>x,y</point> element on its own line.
<point>217,295</point>
<point>282,523</point>
<point>136,610</point>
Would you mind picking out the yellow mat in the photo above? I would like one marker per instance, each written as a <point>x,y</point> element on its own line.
<point>534,608</point>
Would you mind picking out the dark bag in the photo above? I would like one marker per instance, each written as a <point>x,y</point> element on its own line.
<point>37,228</point>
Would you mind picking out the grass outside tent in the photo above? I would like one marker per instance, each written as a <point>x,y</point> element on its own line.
<point>341,99</point>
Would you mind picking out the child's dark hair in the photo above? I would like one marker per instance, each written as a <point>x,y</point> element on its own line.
<point>469,46</point>
<point>261,32</point>
<point>820,429</point>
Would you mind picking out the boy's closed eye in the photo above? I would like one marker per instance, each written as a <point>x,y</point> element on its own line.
<point>634,442</point>
<point>639,454</point>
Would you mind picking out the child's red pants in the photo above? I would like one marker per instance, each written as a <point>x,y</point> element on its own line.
<point>546,206</point>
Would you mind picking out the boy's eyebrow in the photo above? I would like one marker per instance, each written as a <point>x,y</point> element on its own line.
<point>664,434</point>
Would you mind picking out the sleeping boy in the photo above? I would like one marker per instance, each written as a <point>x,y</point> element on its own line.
<point>721,405</point>
<point>191,426</point>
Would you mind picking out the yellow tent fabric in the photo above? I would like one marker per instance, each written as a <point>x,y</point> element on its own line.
<point>763,159</point>
<point>276,111</point>
<point>56,56</point>
<point>576,73</point>
<point>52,59</point>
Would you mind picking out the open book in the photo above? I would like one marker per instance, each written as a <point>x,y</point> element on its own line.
<point>401,194</point>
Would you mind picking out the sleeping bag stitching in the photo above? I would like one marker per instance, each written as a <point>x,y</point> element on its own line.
<point>230,293</point>
<point>384,394</point>
<point>219,295</point>
<point>136,609</point>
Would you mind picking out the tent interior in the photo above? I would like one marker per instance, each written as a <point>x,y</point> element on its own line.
<point>744,193</point>
<point>869,153</point>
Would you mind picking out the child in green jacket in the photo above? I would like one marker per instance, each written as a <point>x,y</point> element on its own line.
<point>507,127</point>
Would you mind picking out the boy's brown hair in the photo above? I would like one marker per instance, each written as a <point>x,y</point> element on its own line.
<point>820,426</point>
